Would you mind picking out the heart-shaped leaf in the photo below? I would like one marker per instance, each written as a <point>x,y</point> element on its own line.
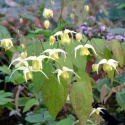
<point>54,94</point>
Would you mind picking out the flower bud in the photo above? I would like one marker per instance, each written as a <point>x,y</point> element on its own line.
<point>78,37</point>
<point>84,51</point>
<point>55,56</point>
<point>52,2</point>
<point>46,24</point>
<point>94,67</point>
<point>23,55</point>
<point>72,16</point>
<point>23,46</point>
<point>86,8</point>
<point>65,75</point>
<point>47,13</point>
<point>52,40</point>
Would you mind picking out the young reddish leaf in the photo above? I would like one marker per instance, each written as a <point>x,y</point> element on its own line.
<point>114,89</point>
<point>117,51</point>
<point>103,92</point>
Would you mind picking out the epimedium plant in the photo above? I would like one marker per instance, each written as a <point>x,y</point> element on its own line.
<point>60,69</point>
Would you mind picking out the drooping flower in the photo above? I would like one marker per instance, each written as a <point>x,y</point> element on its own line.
<point>23,55</point>
<point>47,13</point>
<point>84,49</point>
<point>64,36</point>
<point>6,43</point>
<point>27,71</point>
<point>53,53</point>
<point>108,65</point>
<point>97,111</point>
<point>63,73</point>
<point>36,61</point>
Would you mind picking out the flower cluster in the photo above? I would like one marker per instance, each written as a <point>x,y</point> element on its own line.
<point>37,64</point>
<point>53,54</point>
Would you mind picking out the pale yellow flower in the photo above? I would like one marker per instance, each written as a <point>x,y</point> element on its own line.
<point>6,43</point>
<point>27,71</point>
<point>84,49</point>
<point>63,73</point>
<point>36,61</point>
<point>53,53</point>
<point>20,61</point>
<point>64,36</point>
<point>109,65</point>
<point>47,13</point>
<point>97,111</point>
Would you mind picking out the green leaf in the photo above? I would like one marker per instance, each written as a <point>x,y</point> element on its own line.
<point>79,61</point>
<point>35,118</point>
<point>111,75</point>
<point>65,122</point>
<point>123,49</point>
<point>34,47</point>
<point>4,33</point>
<point>47,116</point>
<point>117,51</point>
<point>104,10</point>
<point>107,53</point>
<point>22,101</point>
<point>16,78</point>
<point>120,78</point>
<point>81,97</point>
<point>30,35</point>
<point>54,95</point>
<point>39,78</point>
<point>120,97</point>
<point>98,44</point>
<point>122,6</point>
<point>29,104</point>
<point>117,30</point>
<point>46,33</point>
<point>3,97</point>
<point>102,82</point>
<point>5,69</point>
